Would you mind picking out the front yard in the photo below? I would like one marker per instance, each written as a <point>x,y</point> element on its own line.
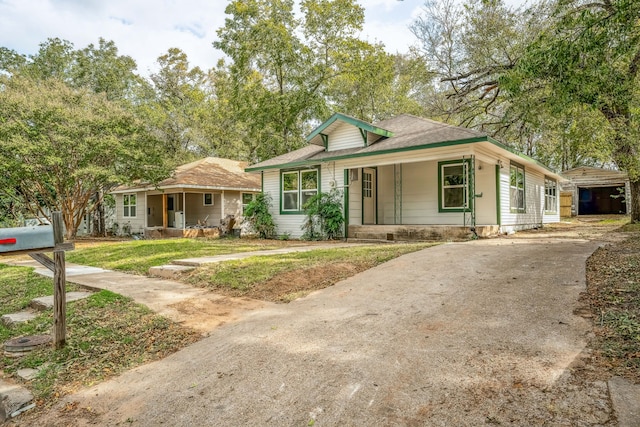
<point>108,333</point>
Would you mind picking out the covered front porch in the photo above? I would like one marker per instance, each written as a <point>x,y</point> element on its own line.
<point>442,199</point>
<point>182,213</point>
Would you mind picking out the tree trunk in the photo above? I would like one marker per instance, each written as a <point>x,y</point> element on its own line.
<point>633,205</point>
<point>98,217</point>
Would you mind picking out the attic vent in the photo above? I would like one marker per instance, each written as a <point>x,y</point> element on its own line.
<point>353,174</point>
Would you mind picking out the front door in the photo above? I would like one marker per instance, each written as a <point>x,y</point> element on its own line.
<point>369,196</point>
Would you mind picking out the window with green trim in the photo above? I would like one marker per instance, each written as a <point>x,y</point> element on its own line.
<point>550,195</point>
<point>454,185</point>
<point>129,203</point>
<point>298,187</point>
<point>516,187</point>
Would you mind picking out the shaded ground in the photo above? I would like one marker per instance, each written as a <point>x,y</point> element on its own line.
<point>613,296</point>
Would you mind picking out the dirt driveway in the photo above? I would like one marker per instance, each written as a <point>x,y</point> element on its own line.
<point>459,334</point>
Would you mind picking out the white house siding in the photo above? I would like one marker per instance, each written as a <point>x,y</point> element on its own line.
<point>420,186</point>
<point>385,194</point>
<point>485,201</point>
<point>345,136</point>
<point>196,211</point>
<point>287,223</point>
<point>534,201</point>
<point>355,200</point>
<point>136,223</point>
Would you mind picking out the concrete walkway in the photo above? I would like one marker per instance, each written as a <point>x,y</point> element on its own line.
<point>458,334</point>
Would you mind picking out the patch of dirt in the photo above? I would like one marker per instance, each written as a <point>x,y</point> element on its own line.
<point>206,314</point>
<point>294,284</point>
<point>297,283</point>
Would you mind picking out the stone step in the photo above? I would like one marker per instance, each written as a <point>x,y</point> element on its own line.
<point>14,400</point>
<point>12,319</point>
<point>171,271</point>
<point>46,303</point>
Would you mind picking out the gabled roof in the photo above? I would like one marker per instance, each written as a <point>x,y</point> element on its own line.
<point>210,173</point>
<point>404,133</point>
<point>325,128</point>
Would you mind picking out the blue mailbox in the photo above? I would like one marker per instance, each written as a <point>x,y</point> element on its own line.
<point>26,238</point>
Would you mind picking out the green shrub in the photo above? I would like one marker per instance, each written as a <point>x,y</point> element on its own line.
<point>324,216</point>
<point>259,218</point>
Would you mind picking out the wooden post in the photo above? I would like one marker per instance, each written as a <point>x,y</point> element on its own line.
<point>165,218</point>
<point>59,281</point>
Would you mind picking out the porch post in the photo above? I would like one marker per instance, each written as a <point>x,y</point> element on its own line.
<point>222,204</point>
<point>346,183</point>
<point>184,210</point>
<point>165,217</point>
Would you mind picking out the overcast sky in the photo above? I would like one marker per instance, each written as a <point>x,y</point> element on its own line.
<point>146,29</point>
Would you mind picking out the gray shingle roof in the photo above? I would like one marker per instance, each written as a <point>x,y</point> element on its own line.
<point>408,131</point>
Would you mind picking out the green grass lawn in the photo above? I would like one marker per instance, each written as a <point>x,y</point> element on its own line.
<point>106,335</point>
<point>254,276</point>
<point>137,256</point>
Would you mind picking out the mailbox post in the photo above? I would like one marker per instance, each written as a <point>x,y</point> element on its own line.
<point>35,241</point>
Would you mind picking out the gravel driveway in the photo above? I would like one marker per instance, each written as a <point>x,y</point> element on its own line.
<point>459,334</point>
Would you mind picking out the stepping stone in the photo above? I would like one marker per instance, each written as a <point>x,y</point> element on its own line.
<point>13,319</point>
<point>46,303</point>
<point>27,373</point>
<point>169,271</point>
<point>14,400</point>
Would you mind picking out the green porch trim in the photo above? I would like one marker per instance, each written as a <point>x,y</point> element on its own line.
<point>470,197</point>
<point>498,204</point>
<point>346,203</point>
<point>364,136</point>
<point>302,163</point>
<point>352,121</point>
<point>325,140</point>
<point>519,154</point>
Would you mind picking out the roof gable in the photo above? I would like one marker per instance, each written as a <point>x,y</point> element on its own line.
<point>342,131</point>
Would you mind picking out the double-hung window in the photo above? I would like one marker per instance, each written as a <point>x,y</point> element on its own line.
<point>550,195</point>
<point>207,199</point>
<point>516,187</point>
<point>454,185</point>
<point>298,187</point>
<point>129,205</point>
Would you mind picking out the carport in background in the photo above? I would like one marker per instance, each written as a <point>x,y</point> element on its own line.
<point>601,200</point>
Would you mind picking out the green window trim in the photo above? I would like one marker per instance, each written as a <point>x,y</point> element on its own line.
<point>550,196</point>
<point>517,188</point>
<point>129,205</point>
<point>296,186</point>
<point>454,176</point>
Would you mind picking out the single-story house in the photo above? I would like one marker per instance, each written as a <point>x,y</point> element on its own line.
<point>597,191</point>
<point>409,177</point>
<point>189,203</point>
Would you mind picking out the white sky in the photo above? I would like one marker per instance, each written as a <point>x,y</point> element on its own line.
<point>146,29</point>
